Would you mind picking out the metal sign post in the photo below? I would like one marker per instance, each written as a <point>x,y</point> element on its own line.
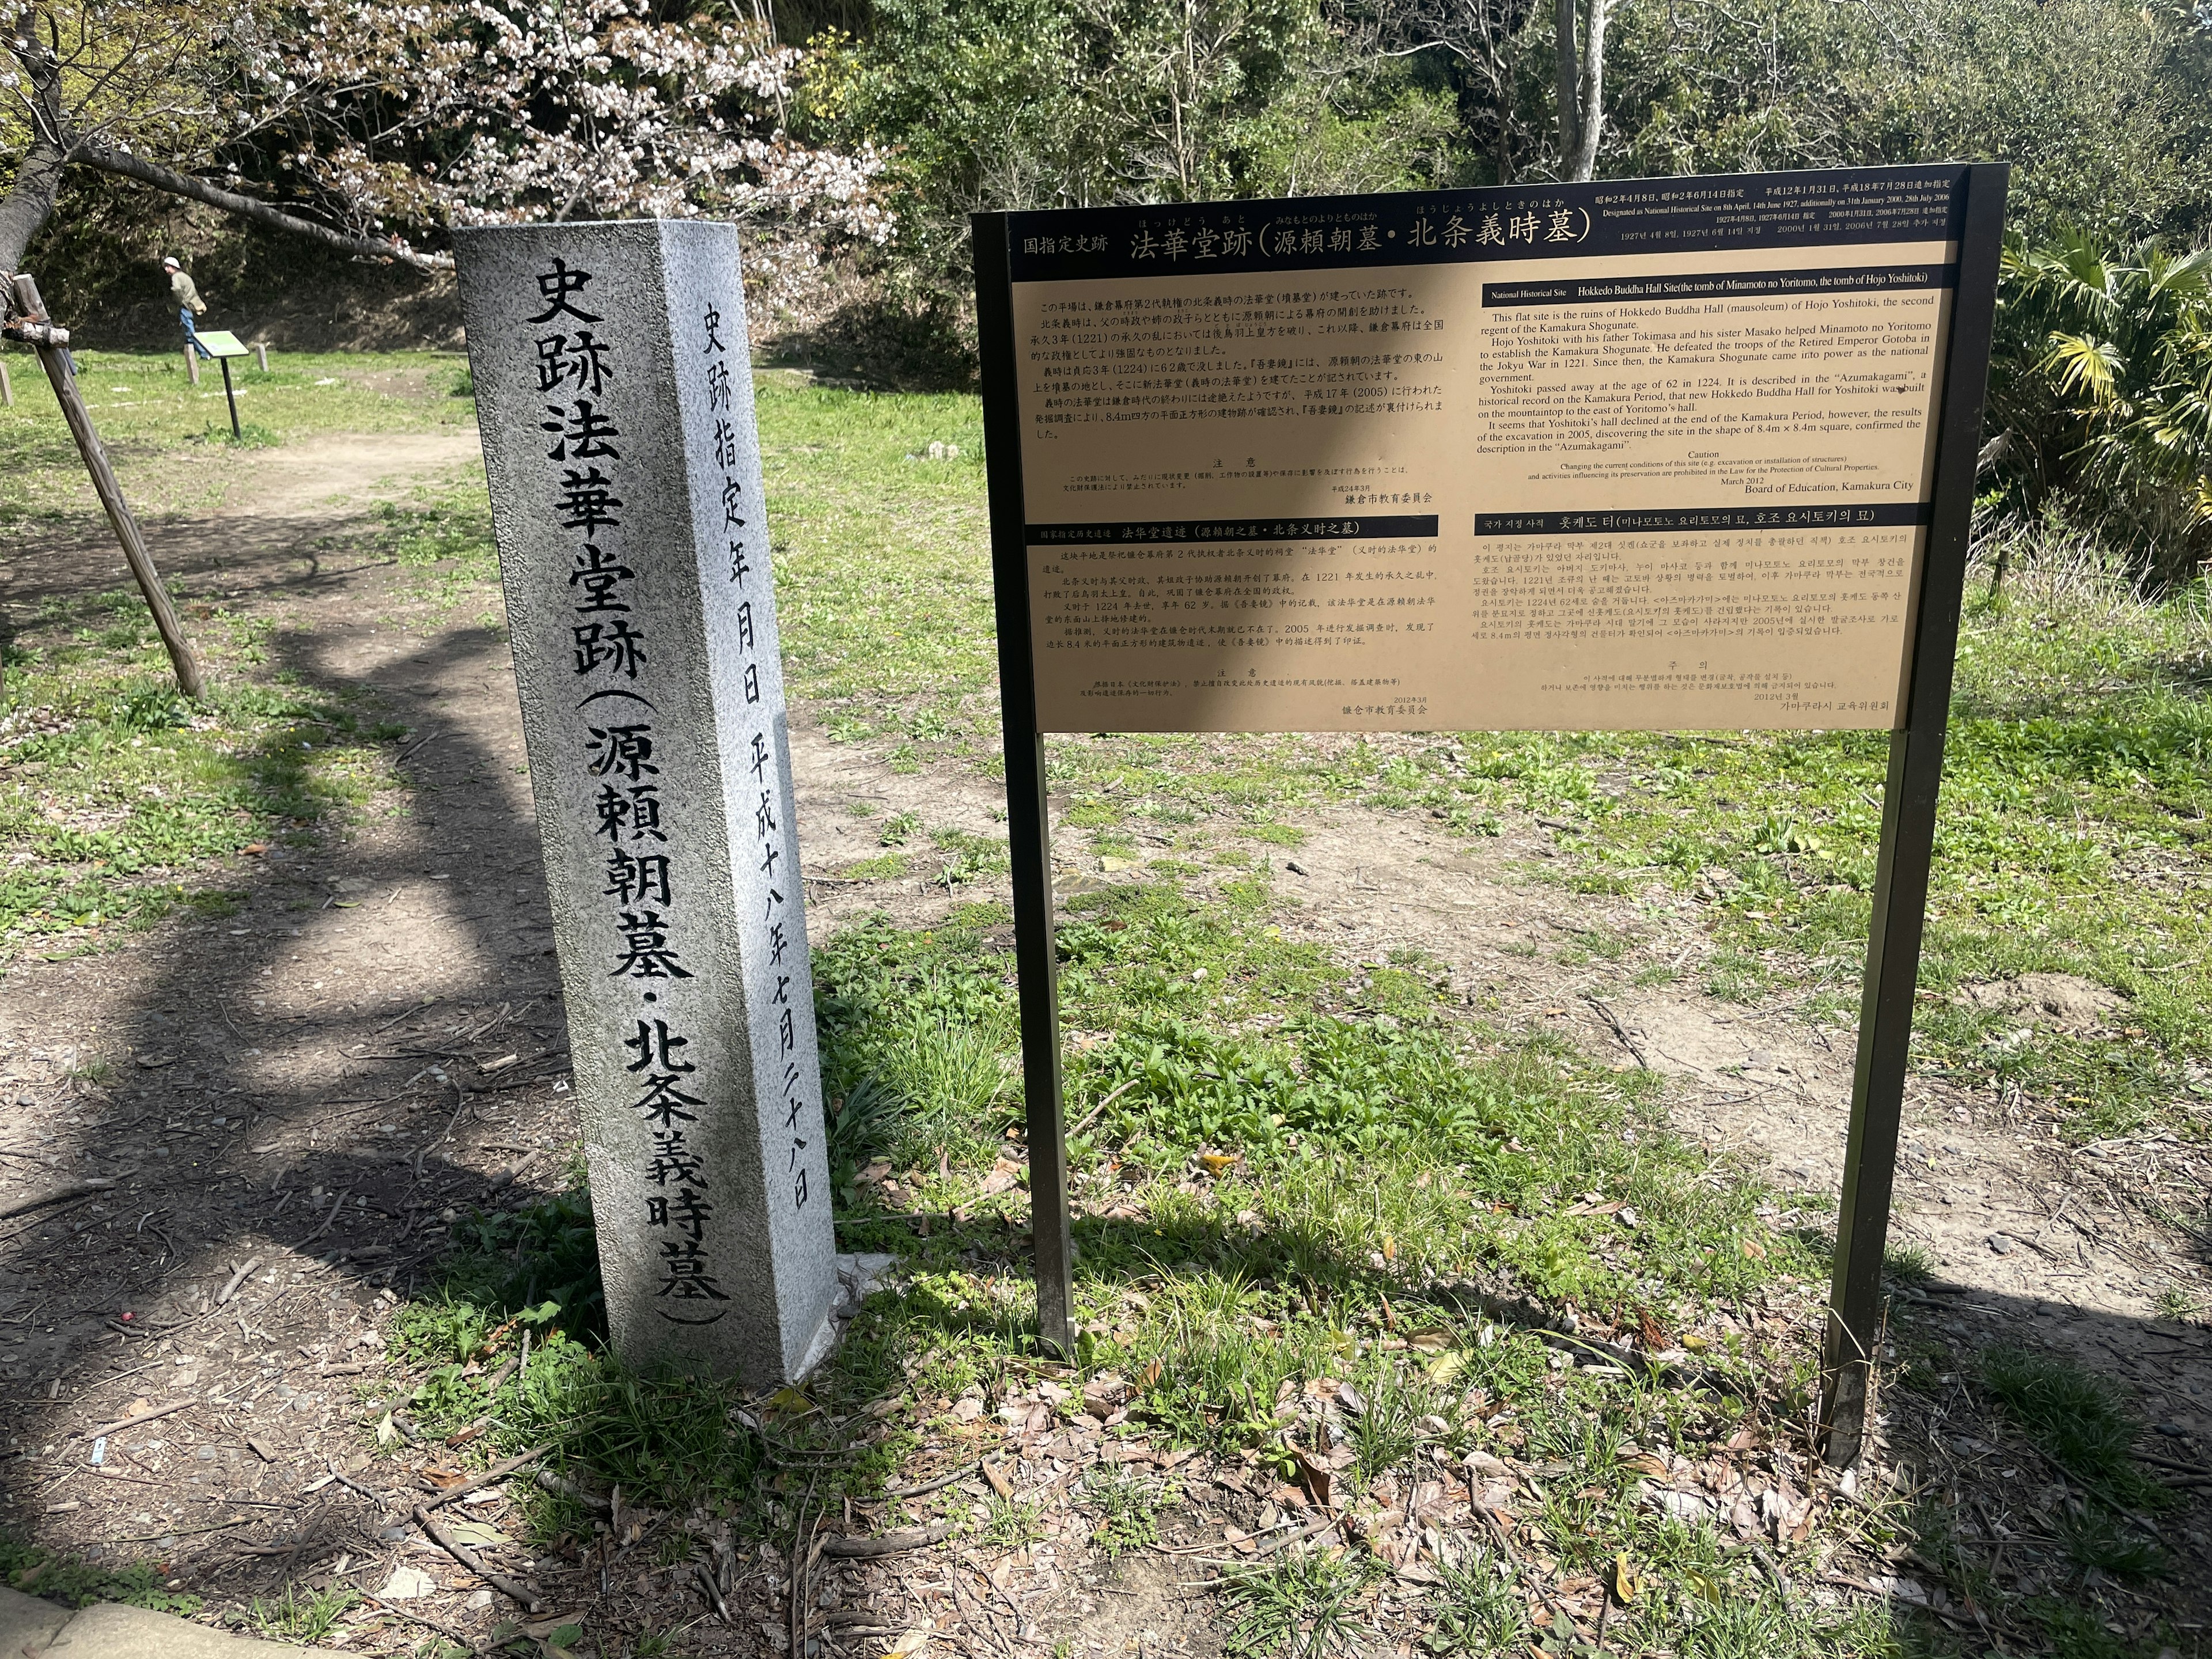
<point>1856,1314</point>
<point>222,346</point>
<point>1029,820</point>
<point>1764,367</point>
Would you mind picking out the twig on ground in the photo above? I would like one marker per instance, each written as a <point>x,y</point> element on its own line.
<point>460,1553</point>
<point>76,1188</point>
<point>237,1278</point>
<point>890,1543</point>
<point>329,1221</point>
<point>1620,1031</point>
<point>937,1485</point>
<point>1120,1090</point>
<point>64,1210</point>
<point>352,1484</point>
<point>714,1590</point>
<point>1297,1537</point>
<point>1758,1553</point>
<point>498,1471</point>
<point>952,1577</point>
<point>136,1418</point>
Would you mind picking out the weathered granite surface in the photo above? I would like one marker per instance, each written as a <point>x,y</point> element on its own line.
<point>615,397</point>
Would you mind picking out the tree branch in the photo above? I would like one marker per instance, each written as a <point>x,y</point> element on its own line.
<point>105,160</point>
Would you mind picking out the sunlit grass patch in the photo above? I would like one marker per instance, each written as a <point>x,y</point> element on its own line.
<point>118,795</point>
<point>146,409</point>
<point>442,535</point>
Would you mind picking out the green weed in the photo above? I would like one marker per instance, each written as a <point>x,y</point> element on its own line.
<point>1124,1504</point>
<point>1011,1522</point>
<point>1305,1605</point>
<point>307,1616</point>
<point>58,1576</point>
<point>2073,1415</point>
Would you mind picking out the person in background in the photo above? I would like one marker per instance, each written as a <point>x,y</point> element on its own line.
<point>186,294</point>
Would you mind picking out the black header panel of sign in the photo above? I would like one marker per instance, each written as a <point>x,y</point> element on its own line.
<point>1126,533</point>
<point>1688,519</point>
<point>1721,212</point>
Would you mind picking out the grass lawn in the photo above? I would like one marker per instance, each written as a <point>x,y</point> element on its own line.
<point>1295,1173</point>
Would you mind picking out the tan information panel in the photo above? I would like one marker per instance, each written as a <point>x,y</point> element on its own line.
<point>1673,481</point>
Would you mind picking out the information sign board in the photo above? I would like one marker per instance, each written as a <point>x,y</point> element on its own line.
<point>222,342</point>
<point>1651,454</point>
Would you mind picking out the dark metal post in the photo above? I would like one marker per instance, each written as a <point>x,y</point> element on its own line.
<point>1029,824</point>
<point>1908,841</point>
<point>231,395</point>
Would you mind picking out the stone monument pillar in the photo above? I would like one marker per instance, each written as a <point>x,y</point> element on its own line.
<point>614,393</point>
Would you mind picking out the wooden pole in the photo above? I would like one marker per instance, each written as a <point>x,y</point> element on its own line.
<point>56,361</point>
<point>261,356</point>
<point>191,362</point>
<point>7,386</point>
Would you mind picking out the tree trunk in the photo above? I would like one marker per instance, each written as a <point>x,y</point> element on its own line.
<point>1591,120</point>
<point>260,213</point>
<point>30,200</point>
<point>1581,86</point>
<point>1569,104</point>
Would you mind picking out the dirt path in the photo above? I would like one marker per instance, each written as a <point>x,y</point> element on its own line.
<point>316,1084</point>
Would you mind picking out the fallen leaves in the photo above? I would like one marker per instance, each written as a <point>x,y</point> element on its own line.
<point>1622,1581</point>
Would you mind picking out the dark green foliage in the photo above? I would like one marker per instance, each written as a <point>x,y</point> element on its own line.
<point>1039,104</point>
<point>2095,1538</point>
<point>2100,396</point>
<point>513,1261</point>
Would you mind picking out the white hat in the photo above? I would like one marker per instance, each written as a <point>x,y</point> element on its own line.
<point>171,263</point>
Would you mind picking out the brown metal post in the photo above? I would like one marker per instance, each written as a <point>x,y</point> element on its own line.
<point>55,359</point>
<point>1857,1308</point>
<point>1028,821</point>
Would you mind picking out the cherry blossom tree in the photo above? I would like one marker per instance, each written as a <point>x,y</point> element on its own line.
<point>366,124</point>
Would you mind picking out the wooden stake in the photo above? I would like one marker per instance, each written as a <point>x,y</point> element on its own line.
<point>56,361</point>
<point>261,356</point>
<point>7,386</point>
<point>191,362</point>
